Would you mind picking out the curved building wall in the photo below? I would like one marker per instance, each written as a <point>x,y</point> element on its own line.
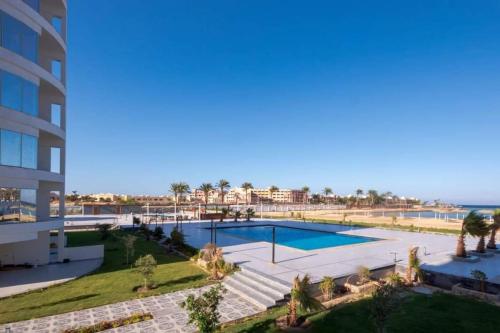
<point>32,115</point>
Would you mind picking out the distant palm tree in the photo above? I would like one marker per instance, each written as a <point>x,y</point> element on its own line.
<point>272,190</point>
<point>247,187</point>
<point>306,190</point>
<point>179,189</point>
<point>327,191</point>
<point>494,228</point>
<point>474,225</point>
<point>224,213</point>
<point>223,185</point>
<point>359,192</point>
<point>373,195</point>
<point>206,188</point>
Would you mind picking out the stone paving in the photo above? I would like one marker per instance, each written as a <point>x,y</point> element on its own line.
<point>168,316</point>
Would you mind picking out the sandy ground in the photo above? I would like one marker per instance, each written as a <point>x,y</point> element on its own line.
<point>361,216</point>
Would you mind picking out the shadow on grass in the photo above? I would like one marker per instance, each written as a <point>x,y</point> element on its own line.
<point>265,326</point>
<point>183,280</point>
<point>64,301</point>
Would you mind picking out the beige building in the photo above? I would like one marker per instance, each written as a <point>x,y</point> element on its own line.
<point>198,196</point>
<point>109,197</point>
<point>32,129</point>
<point>153,199</point>
<point>256,195</point>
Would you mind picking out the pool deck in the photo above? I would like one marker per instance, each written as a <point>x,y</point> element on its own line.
<point>341,261</point>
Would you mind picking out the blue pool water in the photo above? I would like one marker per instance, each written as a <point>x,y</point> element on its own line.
<point>303,239</point>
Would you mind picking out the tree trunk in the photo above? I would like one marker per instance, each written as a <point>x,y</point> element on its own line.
<point>480,245</point>
<point>292,316</point>
<point>461,246</point>
<point>492,241</point>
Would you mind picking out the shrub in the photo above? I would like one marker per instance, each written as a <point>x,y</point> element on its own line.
<point>128,242</point>
<point>327,287</point>
<point>158,233</point>
<point>203,310</point>
<point>394,279</point>
<point>481,277</point>
<point>384,301</point>
<point>364,274</point>
<point>136,221</point>
<point>177,237</point>
<point>146,266</point>
<point>104,230</point>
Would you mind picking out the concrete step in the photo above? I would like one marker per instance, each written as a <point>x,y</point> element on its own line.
<point>261,300</point>
<point>278,286</point>
<point>264,288</point>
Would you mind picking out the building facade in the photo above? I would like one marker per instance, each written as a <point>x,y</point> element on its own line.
<point>265,195</point>
<point>32,129</point>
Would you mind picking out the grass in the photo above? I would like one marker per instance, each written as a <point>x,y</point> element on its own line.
<point>373,225</point>
<point>113,282</point>
<point>441,313</point>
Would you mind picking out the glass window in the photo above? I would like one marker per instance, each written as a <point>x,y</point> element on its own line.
<point>56,69</point>
<point>11,33</point>
<point>11,91</point>
<point>29,44</point>
<point>27,205</point>
<point>35,4</point>
<point>10,148</point>
<point>57,23</point>
<point>55,160</point>
<point>55,111</point>
<point>30,98</point>
<point>29,151</point>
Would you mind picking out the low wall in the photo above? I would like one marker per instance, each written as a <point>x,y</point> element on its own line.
<point>84,252</point>
<point>447,281</point>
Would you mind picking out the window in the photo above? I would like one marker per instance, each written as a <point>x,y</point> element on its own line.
<point>29,151</point>
<point>18,94</point>
<point>17,205</point>
<point>11,91</point>
<point>10,148</point>
<point>35,4</point>
<point>55,160</point>
<point>18,37</point>
<point>57,24</point>
<point>55,114</point>
<point>56,69</point>
<point>30,98</point>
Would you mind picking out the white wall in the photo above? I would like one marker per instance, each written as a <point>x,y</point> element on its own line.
<point>84,252</point>
<point>31,252</point>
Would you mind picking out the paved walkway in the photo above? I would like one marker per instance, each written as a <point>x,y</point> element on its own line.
<point>168,316</point>
<point>23,280</point>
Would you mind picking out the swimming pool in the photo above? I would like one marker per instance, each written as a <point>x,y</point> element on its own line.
<point>303,239</point>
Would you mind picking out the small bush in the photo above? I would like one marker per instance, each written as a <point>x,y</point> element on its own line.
<point>105,325</point>
<point>364,274</point>
<point>104,230</point>
<point>146,266</point>
<point>158,233</point>
<point>327,286</point>
<point>177,237</point>
<point>203,310</point>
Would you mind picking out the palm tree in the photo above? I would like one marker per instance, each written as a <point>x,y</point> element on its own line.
<point>237,215</point>
<point>413,265</point>
<point>206,188</point>
<point>224,213</point>
<point>179,189</point>
<point>494,228</point>
<point>301,296</point>
<point>306,190</point>
<point>359,192</point>
<point>327,191</point>
<point>373,195</point>
<point>250,213</point>
<point>474,225</point>
<point>246,186</point>
<point>272,190</point>
<point>223,185</point>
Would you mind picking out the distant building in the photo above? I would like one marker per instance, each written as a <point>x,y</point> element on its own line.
<point>153,199</point>
<point>257,195</point>
<point>109,197</point>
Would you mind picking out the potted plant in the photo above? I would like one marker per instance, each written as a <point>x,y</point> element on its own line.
<point>361,282</point>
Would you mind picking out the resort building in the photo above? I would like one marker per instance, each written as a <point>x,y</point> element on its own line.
<point>153,199</point>
<point>256,195</point>
<point>32,130</point>
<point>110,197</point>
<point>198,196</point>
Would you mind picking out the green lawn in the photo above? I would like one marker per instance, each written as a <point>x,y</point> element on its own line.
<point>441,313</point>
<point>114,281</point>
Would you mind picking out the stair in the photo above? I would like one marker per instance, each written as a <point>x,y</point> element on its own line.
<point>262,291</point>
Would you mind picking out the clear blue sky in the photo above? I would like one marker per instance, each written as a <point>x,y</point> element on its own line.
<point>390,95</point>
